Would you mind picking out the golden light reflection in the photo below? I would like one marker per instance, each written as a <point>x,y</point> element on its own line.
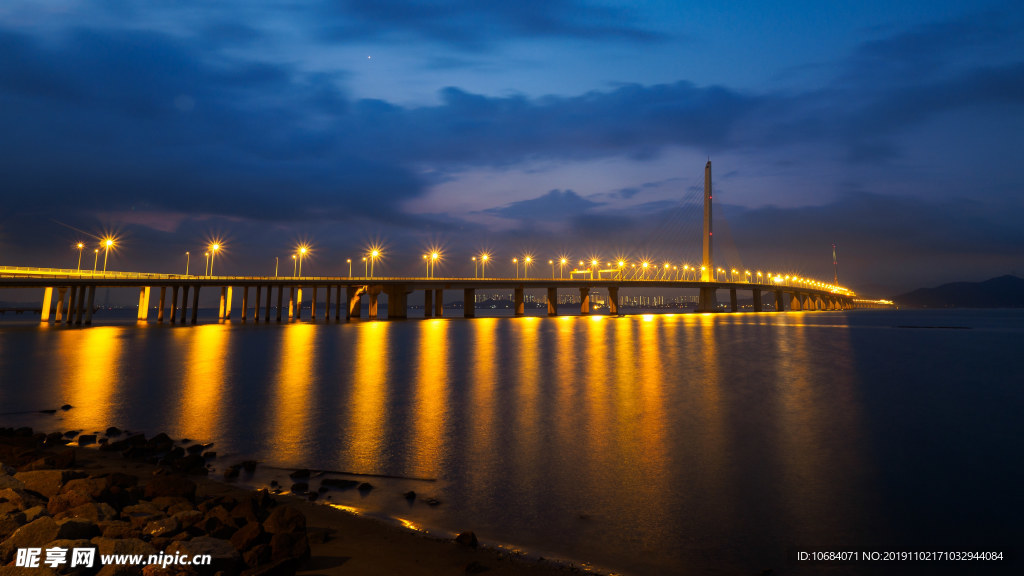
<point>92,374</point>
<point>367,405</point>
<point>203,383</point>
<point>429,400</point>
<point>292,398</point>
<point>482,402</point>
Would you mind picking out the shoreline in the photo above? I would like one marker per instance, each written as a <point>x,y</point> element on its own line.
<point>342,539</point>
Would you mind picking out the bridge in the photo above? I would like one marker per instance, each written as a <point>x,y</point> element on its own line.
<point>69,295</point>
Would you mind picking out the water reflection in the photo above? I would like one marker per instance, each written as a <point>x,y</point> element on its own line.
<point>429,393</point>
<point>90,373</point>
<point>367,402</point>
<point>292,394</point>
<point>204,357</point>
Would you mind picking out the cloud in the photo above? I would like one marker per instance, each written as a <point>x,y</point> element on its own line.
<point>555,206</point>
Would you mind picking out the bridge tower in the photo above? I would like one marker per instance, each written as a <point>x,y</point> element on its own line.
<point>707,274</point>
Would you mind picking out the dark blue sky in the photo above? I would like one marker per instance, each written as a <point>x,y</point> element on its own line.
<point>895,129</point>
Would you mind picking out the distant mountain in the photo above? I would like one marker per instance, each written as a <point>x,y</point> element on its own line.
<point>1001,292</point>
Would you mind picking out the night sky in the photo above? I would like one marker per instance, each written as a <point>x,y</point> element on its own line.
<point>895,129</point>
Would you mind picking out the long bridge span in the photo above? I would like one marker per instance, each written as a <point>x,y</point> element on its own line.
<point>69,297</point>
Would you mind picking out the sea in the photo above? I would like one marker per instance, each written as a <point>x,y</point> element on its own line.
<point>642,444</point>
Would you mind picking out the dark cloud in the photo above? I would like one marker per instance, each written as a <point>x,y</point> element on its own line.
<point>467,24</point>
<point>555,206</point>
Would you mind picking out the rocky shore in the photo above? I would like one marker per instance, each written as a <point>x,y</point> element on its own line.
<point>150,496</point>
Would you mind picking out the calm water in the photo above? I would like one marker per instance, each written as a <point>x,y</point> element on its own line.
<point>706,444</point>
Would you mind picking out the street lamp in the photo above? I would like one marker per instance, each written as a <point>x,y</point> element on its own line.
<point>366,269</point>
<point>302,254</point>
<point>187,258</point>
<point>561,267</point>
<point>516,262</point>
<point>622,265</point>
<point>526,266</point>
<point>434,256</point>
<point>475,274</point>
<point>295,265</point>
<point>206,270</point>
<point>349,261</point>
<point>95,259</point>
<point>552,262</point>
<point>645,265</point>
<point>80,245</point>
<point>593,264</point>
<point>213,254</point>
<point>374,254</point>
<point>107,244</point>
<point>276,261</point>
<point>426,266</point>
<point>483,264</point>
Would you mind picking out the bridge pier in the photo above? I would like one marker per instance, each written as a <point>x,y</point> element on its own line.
<point>88,305</point>
<point>352,295</point>
<point>397,302</point>
<point>184,304</point>
<point>519,305</point>
<point>337,303</point>
<point>174,303</point>
<point>161,304</point>
<point>195,304</point>
<point>438,302</point>
<point>70,317</point>
<point>327,304</point>
<point>585,301</point>
<point>794,302</point>
<point>469,303</point>
<point>280,302</point>
<point>732,300</point>
<point>143,314</point>
<point>428,303</point>
<point>245,303</point>
<point>613,300</point>
<point>79,305</point>
<point>312,305</point>
<point>779,305</point>
<point>552,301</point>
<point>374,291</point>
<point>228,303</point>
<point>707,300</point>
<point>44,313</point>
<point>291,303</point>
<point>61,307</point>
<point>758,303</point>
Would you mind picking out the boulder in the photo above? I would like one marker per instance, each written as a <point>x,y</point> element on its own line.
<point>47,482</point>
<point>89,511</point>
<point>248,536</point>
<point>118,529</point>
<point>289,545</point>
<point>223,555</point>
<point>164,502</point>
<point>9,481</point>
<point>76,529</point>
<point>161,528</point>
<point>32,535</point>
<point>171,485</point>
<point>467,538</point>
<point>67,501</point>
<point>86,439</point>
<point>20,499</point>
<point>9,523</point>
<point>285,519</point>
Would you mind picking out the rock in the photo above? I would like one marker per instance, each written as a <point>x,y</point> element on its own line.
<point>285,519</point>
<point>259,554</point>
<point>63,502</point>
<point>171,485</point>
<point>20,499</point>
<point>231,472</point>
<point>63,459</point>
<point>118,529</point>
<point>66,407</point>
<point>86,439</point>
<point>432,502</point>
<point>90,511</point>
<point>130,546</point>
<point>211,455</point>
<point>475,567</point>
<point>32,535</point>
<point>223,555</point>
<point>113,431</point>
<point>9,481</point>
<point>161,527</point>
<point>248,536</point>
<point>467,538</point>
<point>410,495</point>
<point>34,512</point>
<point>313,496</point>
<point>300,488</point>
<point>289,545</point>
<point>76,529</point>
<point>365,488</point>
<point>9,523</point>
<point>47,482</point>
<point>249,466</point>
<point>301,473</point>
<point>95,488</point>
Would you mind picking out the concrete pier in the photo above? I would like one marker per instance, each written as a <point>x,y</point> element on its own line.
<point>469,303</point>
<point>439,303</point>
<point>518,301</point>
<point>584,301</point>
<point>552,301</point>
<point>613,300</point>
<point>428,303</point>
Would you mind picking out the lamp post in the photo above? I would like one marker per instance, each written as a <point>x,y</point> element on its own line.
<point>276,261</point>
<point>526,266</point>
<point>426,266</point>
<point>187,258</point>
<point>349,260</point>
<point>206,270</point>
<point>295,265</point>
<point>516,262</point>
<point>483,264</point>
<point>475,274</point>
<point>645,265</point>
<point>434,256</point>
<point>593,265</point>
<point>552,262</point>
<point>622,264</point>
<point>373,259</point>
<point>366,268</point>
<point>302,254</point>
<point>213,255</point>
<point>80,245</point>
<point>561,268</point>
<point>95,259</point>
<point>106,252</point>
